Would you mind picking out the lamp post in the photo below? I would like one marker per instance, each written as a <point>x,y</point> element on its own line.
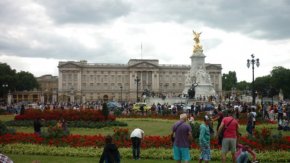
<point>121,87</point>
<point>252,62</point>
<point>137,81</point>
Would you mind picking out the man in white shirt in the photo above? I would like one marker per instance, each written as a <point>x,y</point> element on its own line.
<point>136,136</point>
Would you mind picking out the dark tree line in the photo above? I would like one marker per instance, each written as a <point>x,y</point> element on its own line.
<point>10,80</point>
<point>266,86</point>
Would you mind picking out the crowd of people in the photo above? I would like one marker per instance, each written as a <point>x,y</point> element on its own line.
<point>227,126</point>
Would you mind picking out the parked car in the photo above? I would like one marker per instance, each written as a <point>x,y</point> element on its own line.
<point>208,107</point>
<point>32,106</point>
<point>137,107</point>
<point>112,105</point>
<point>181,107</point>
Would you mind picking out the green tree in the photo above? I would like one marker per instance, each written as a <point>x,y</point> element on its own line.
<point>26,81</point>
<point>243,85</point>
<point>7,79</point>
<point>263,85</point>
<point>229,80</point>
<point>280,79</point>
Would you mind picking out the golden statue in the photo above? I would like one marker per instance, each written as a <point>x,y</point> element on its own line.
<point>197,47</point>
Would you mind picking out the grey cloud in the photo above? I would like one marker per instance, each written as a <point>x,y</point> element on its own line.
<point>53,46</point>
<point>12,12</point>
<point>260,19</point>
<point>85,11</point>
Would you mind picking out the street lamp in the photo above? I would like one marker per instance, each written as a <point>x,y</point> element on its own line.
<point>137,80</point>
<point>121,87</point>
<point>252,62</point>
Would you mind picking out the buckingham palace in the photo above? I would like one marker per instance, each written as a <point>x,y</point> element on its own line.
<point>82,81</point>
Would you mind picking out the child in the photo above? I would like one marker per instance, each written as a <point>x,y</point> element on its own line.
<point>110,153</point>
<point>242,153</point>
<point>191,119</point>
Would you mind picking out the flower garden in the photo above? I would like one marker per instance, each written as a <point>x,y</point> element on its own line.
<point>270,146</point>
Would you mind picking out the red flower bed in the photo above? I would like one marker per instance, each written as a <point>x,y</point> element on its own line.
<point>69,115</point>
<point>147,142</point>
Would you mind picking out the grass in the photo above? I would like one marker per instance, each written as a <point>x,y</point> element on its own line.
<point>150,126</point>
<point>60,159</point>
<point>7,117</point>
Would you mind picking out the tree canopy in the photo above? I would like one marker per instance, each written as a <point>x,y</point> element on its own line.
<point>10,80</point>
<point>229,80</point>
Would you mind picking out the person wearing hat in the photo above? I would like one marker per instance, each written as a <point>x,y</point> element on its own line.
<point>204,140</point>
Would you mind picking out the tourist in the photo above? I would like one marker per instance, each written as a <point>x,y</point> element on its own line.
<point>254,117</point>
<point>230,135</point>
<point>250,124</point>
<point>64,125</point>
<point>37,126</point>
<point>5,159</point>
<point>110,153</point>
<point>242,154</point>
<point>22,110</point>
<point>191,118</point>
<point>182,140</point>
<point>59,124</point>
<point>204,140</point>
<point>280,113</point>
<point>288,111</point>
<point>219,117</point>
<point>265,111</point>
<point>136,136</point>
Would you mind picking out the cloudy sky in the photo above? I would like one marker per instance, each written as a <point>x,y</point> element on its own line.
<point>36,34</point>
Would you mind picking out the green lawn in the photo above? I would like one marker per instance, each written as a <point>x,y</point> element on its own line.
<point>150,126</point>
<point>59,159</point>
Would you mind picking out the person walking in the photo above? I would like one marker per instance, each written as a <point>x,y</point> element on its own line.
<point>218,117</point>
<point>136,136</point>
<point>288,111</point>
<point>37,126</point>
<point>230,135</point>
<point>250,124</point>
<point>182,139</point>
<point>204,140</point>
<point>280,113</point>
<point>110,153</point>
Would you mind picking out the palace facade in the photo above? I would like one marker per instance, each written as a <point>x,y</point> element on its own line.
<point>82,81</point>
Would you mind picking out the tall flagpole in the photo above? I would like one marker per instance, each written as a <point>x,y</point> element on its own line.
<point>141,50</point>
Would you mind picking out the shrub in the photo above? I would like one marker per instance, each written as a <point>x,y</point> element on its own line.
<point>5,130</point>
<point>121,134</point>
<point>54,132</point>
<point>195,130</point>
<point>76,124</point>
<point>265,137</point>
<point>117,112</point>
